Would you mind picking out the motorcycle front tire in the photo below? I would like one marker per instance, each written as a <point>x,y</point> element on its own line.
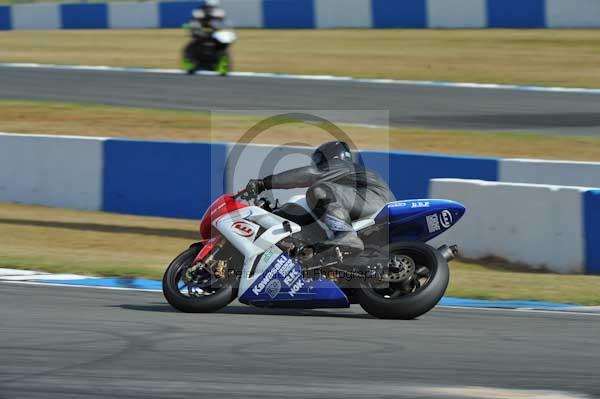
<point>205,304</point>
<point>188,60</point>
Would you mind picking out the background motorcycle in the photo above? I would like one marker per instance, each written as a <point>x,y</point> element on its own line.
<point>267,257</point>
<point>208,49</point>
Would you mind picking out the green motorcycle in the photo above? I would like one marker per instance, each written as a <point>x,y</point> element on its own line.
<point>208,50</point>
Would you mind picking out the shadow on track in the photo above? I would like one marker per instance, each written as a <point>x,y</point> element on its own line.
<point>250,311</point>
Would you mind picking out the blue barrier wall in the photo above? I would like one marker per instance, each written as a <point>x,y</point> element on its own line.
<point>409,173</point>
<point>5,20</point>
<point>399,14</point>
<point>180,179</point>
<point>288,13</point>
<point>516,13</point>
<point>84,16</point>
<point>320,13</point>
<point>171,179</point>
<point>173,14</point>
<point>592,231</point>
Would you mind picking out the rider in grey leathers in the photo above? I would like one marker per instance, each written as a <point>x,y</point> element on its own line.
<point>339,191</point>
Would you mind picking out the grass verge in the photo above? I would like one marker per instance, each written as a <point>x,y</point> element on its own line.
<point>543,57</point>
<point>100,120</point>
<point>103,244</point>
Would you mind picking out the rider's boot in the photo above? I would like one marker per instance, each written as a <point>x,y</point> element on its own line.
<point>344,236</point>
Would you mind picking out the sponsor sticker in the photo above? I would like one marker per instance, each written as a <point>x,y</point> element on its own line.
<point>271,283</point>
<point>242,228</point>
<point>419,204</point>
<point>433,223</point>
<point>291,278</point>
<point>267,278</point>
<point>267,255</point>
<point>296,287</point>
<point>446,218</point>
<point>286,267</point>
<point>273,288</point>
<point>397,204</point>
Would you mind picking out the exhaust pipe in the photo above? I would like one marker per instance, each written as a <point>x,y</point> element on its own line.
<point>448,252</point>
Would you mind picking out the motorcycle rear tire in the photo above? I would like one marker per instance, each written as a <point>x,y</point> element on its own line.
<point>413,305</point>
<point>206,304</point>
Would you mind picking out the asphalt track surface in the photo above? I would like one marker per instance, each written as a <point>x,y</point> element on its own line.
<point>409,105</point>
<point>64,342</point>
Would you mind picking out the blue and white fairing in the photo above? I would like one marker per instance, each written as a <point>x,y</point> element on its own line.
<point>419,219</point>
<point>282,284</point>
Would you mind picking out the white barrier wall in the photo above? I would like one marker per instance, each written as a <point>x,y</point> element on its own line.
<point>244,13</point>
<point>572,13</point>
<point>537,171</point>
<point>541,226</point>
<point>443,13</point>
<point>51,170</point>
<point>343,13</point>
<point>258,161</point>
<point>134,15</point>
<point>36,16</point>
<point>311,14</point>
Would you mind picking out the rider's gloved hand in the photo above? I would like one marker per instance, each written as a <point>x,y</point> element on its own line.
<point>255,187</point>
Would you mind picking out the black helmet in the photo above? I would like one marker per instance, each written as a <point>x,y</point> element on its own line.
<point>329,151</point>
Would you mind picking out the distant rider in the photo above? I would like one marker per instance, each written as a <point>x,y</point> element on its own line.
<point>208,16</point>
<point>339,191</point>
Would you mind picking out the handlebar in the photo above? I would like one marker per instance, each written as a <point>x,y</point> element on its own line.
<point>245,196</point>
<point>242,194</point>
<point>261,202</point>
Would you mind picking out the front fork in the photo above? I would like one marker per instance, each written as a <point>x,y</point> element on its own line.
<point>209,249</point>
<point>206,257</point>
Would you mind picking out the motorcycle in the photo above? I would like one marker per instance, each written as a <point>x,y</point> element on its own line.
<point>270,257</point>
<point>208,49</point>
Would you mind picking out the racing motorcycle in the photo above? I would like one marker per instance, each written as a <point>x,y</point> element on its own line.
<point>208,49</point>
<point>270,257</point>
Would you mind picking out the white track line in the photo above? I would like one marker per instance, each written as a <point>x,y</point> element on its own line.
<point>97,287</point>
<point>427,83</point>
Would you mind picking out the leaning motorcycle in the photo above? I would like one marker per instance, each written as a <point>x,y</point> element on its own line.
<point>208,50</point>
<point>269,257</point>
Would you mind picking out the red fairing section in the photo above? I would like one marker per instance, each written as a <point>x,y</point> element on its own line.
<point>209,245</point>
<point>222,205</point>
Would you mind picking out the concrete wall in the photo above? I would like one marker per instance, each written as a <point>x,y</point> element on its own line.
<point>343,14</point>
<point>445,14</point>
<point>245,162</point>
<point>36,16</point>
<point>246,13</point>
<point>312,14</point>
<point>542,226</point>
<point>132,15</point>
<point>572,13</point>
<point>563,173</point>
<point>51,170</point>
